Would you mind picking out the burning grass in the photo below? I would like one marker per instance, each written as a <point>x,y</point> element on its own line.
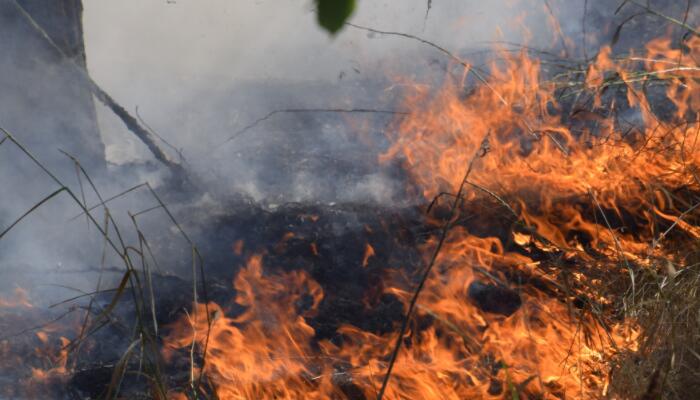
<point>563,264</point>
<point>575,192</point>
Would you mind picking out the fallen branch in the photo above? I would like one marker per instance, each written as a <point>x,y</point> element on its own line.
<point>131,123</point>
<point>161,138</point>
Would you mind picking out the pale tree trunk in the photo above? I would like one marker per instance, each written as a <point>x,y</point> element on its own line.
<point>43,99</point>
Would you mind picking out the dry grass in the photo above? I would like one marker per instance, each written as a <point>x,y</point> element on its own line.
<point>142,357</point>
<point>667,363</point>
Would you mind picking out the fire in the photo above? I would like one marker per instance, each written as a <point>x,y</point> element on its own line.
<point>567,201</point>
<point>264,351</point>
<point>37,358</point>
<point>57,359</point>
<point>369,252</point>
<point>20,299</point>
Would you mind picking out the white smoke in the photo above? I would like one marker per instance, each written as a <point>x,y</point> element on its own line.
<point>200,71</point>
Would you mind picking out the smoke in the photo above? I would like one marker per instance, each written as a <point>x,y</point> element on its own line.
<point>200,71</point>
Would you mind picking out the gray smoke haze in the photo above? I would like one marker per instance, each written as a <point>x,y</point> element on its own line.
<point>199,71</point>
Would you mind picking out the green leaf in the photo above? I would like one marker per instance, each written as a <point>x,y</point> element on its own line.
<point>332,14</point>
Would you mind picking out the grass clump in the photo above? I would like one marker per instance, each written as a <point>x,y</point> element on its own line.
<point>666,364</point>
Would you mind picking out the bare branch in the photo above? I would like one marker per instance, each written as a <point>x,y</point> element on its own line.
<point>308,110</point>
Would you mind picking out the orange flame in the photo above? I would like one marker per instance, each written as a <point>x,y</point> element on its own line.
<point>556,180</point>
<point>369,252</point>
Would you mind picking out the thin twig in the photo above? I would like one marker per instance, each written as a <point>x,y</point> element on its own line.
<point>495,196</point>
<point>116,196</point>
<point>478,73</point>
<point>450,54</point>
<point>650,10</point>
<point>583,30</point>
<point>617,243</point>
<point>481,151</point>
<point>40,326</point>
<point>661,237</point>
<point>557,28</point>
<point>156,134</point>
<point>308,110</point>
<point>427,11</point>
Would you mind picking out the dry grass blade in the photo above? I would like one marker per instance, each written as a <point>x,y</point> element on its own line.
<point>666,363</point>
<point>120,371</point>
<point>83,295</point>
<point>130,279</point>
<point>102,203</point>
<point>557,27</point>
<point>617,244</point>
<point>146,270</point>
<point>31,210</point>
<point>479,74</point>
<point>480,152</point>
<point>104,315</point>
<point>650,10</point>
<point>197,261</point>
<point>673,225</point>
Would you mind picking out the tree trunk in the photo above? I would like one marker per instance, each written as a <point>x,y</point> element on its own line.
<point>43,101</point>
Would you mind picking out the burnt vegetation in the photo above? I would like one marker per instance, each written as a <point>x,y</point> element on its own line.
<point>547,248</point>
